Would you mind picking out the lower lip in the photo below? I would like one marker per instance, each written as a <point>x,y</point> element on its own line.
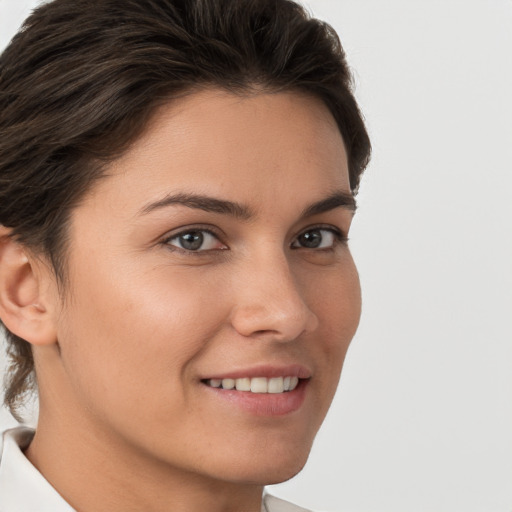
<point>264,404</point>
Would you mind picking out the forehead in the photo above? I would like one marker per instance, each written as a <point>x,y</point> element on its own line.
<point>217,143</point>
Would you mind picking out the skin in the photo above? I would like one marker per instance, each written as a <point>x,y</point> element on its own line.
<point>126,424</point>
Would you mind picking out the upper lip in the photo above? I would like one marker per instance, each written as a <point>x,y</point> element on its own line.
<point>268,371</point>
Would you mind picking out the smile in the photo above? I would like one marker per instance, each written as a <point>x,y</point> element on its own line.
<point>272,385</point>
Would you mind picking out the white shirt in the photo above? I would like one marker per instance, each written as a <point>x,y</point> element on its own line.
<point>24,489</point>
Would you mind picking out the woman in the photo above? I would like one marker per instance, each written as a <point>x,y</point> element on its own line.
<point>178,184</point>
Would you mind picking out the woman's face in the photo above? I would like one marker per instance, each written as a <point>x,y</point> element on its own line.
<point>214,251</point>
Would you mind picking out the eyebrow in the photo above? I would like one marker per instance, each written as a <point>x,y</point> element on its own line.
<point>201,202</point>
<point>339,199</point>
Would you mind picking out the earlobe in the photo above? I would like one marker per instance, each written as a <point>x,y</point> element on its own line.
<point>24,309</point>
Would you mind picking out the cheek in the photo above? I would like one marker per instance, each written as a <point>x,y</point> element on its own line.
<point>345,306</point>
<point>335,297</point>
<point>134,340</point>
<point>338,308</point>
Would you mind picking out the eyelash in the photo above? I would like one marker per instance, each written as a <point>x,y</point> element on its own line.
<point>339,238</point>
<point>194,229</point>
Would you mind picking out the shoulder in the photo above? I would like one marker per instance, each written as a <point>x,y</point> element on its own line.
<point>273,504</point>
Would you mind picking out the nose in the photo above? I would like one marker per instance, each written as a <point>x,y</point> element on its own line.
<point>269,302</point>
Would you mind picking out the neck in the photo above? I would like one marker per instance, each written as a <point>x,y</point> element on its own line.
<point>95,472</point>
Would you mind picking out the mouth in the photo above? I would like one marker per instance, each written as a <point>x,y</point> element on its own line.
<point>259,385</point>
<point>261,391</point>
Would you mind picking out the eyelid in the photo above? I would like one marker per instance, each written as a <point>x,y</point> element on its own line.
<point>211,230</point>
<point>338,233</point>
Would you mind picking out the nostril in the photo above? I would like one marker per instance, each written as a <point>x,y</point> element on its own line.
<point>263,332</point>
<point>272,307</point>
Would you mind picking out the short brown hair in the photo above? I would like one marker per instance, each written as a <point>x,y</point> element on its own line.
<point>81,79</point>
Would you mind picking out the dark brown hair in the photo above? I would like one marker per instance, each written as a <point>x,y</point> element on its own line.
<point>81,79</point>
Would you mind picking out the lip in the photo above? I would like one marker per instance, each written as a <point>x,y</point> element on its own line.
<point>267,371</point>
<point>262,404</point>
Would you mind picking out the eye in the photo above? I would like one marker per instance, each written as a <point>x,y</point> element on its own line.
<point>318,238</point>
<point>195,240</point>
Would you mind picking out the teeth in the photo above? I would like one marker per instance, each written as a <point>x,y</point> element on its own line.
<point>243,384</point>
<point>257,384</point>
<point>228,383</point>
<point>276,385</point>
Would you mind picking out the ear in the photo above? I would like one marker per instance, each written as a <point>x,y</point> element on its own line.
<point>26,297</point>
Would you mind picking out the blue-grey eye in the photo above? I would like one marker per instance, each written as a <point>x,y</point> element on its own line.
<point>318,238</point>
<point>196,240</point>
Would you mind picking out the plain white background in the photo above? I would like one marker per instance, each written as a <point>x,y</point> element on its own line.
<point>423,417</point>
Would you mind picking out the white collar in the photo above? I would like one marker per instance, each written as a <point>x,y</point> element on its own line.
<point>22,487</point>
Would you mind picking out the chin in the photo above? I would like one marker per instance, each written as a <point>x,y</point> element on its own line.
<point>280,476</point>
<point>268,469</point>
